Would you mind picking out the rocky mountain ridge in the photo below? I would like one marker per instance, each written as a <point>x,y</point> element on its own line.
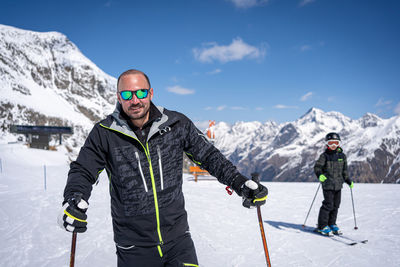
<point>288,151</point>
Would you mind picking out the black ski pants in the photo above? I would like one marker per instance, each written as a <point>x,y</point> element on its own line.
<point>177,253</point>
<point>329,209</point>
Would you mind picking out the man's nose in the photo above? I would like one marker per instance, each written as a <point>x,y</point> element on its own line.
<point>135,100</point>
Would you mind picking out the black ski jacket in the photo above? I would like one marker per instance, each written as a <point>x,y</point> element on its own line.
<point>147,204</point>
<point>332,164</point>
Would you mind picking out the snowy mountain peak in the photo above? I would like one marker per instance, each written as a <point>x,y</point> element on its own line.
<point>369,120</point>
<point>313,114</point>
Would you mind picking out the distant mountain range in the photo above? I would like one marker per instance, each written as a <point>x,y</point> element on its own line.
<point>46,80</point>
<point>288,151</point>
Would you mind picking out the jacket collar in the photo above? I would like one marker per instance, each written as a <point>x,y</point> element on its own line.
<point>160,121</point>
<point>337,150</point>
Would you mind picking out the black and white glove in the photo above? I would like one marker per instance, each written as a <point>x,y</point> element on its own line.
<point>73,215</point>
<point>254,194</point>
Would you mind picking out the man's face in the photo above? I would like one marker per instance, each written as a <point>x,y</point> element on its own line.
<point>136,109</point>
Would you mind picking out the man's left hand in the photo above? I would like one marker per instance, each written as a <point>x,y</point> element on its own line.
<point>254,194</point>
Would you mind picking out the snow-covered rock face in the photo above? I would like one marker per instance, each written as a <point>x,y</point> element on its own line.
<point>46,80</point>
<point>288,151</point>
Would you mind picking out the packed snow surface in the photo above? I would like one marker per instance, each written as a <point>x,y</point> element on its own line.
<point>225,233</point>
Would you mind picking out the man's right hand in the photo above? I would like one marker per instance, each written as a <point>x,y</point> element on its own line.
<point>322,178</point>
<point>73,215</point>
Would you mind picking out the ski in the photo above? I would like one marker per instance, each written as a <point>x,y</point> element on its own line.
<point>344,241</point>
<point>353,241</point>
<point>338,238</point>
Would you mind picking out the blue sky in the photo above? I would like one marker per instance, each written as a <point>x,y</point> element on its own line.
<point>238,60</point>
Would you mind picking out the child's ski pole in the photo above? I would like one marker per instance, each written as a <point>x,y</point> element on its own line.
<point>304,224</point>
<point>354,212</point>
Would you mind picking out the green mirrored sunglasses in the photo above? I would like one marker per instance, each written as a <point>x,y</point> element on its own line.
<point>140,94</point>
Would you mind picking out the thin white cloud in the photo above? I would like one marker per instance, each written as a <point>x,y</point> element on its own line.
<point>248,3</point>
<point>306,96</point>
<point>382,102</point>
<point>397,109</point>
<point>304,48</point>
<point>225,107</point>
<point>279,106</point>
<point>305,2</point>
<point>180,90</point>
<point>220,108</point>
<point>237,50</point>
<point>237,108</point>
<point>309,46</point>
<point>216,71</point>
<point>331,99</point>
<point>259,108</point>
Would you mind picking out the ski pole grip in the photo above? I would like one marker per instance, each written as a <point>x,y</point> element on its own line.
<point>255,176</point>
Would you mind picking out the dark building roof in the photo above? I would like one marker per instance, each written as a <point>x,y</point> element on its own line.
<point>33,129</point>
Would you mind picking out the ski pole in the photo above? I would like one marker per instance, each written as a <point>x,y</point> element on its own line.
<point>260,221</point>
<point>354,212</point>
<point>312,203</point>
<point>73,247</point>
<point>254,177</point>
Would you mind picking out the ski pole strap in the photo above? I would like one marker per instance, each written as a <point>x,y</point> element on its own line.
<point>73,217</point>
<point>260,199</point>
<point>229,190</point>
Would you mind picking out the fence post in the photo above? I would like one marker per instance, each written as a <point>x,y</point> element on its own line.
<point>44,170</point>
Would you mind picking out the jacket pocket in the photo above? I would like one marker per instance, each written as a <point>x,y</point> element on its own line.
<point>160,166</point>
<point>141,171</point>
<point>125,247</point>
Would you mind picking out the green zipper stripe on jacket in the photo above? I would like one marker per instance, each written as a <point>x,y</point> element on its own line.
<point>153,184</point>
<point>152,179</point>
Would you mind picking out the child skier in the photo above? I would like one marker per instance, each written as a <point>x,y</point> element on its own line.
<point>331,170</point>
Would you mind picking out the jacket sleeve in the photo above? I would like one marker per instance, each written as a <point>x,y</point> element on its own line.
<point>345,172</point>
<point>206,155</point>
<point>85,170</point>
<point>319,165</point>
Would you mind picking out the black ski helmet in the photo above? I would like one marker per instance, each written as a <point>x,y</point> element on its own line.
<point>332,136</point>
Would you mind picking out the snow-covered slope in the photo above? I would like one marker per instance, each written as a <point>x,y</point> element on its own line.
<point>46,80</point>
<point>225,233</point>
<point>287,152</point>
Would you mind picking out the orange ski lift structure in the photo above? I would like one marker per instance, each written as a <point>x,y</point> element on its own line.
<point>210,130</point>
<point>196,170</point>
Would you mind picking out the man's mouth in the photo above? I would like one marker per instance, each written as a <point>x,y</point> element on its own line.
<point>135,108</point>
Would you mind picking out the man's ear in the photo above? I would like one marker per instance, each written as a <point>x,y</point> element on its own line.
<point>151,93</point>
<point>119,98</point>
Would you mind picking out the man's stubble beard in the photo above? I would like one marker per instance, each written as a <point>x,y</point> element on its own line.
<point>140,115</point>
